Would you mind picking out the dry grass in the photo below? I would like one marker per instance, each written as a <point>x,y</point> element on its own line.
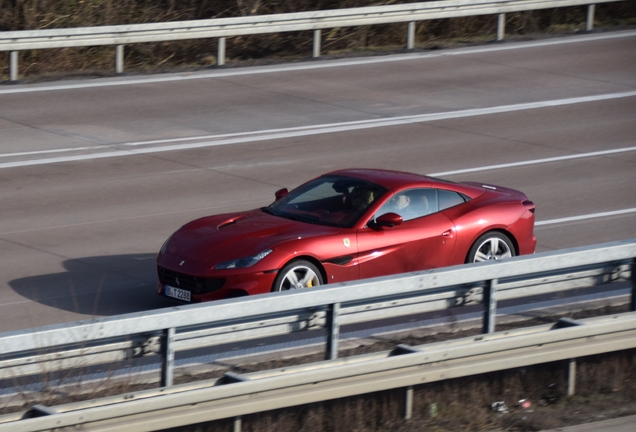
<point>196,54</point>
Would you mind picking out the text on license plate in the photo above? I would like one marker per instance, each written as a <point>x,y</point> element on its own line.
<point>177,293</point>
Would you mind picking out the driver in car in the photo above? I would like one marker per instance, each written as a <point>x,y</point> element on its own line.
<point>361,198</point>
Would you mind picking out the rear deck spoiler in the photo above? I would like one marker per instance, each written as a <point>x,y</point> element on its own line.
<point>494,188</point>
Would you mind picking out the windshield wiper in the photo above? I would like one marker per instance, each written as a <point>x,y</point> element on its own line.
<point>298,218</point>
<point>306,219</point>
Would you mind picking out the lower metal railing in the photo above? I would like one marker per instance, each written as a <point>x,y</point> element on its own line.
<point>236,395</point>
<point>165,332</point>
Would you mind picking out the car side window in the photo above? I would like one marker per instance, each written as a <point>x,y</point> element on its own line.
<point>449,199</point>
<point>411,204</point>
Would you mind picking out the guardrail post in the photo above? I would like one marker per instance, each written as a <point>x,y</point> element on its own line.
<point>317,36</point>
<point>220,57</point>
<point>167,354</point>
<point>501,26</point>
<point>490,306</point>
<point>410,35</point>
<point>237,424</point>
<point>408,409</point>
<point>571,377</point>
<point>633,299</point>
<point>119,59</point>
<point>589,25</point>
<point>13,65</point>
<point>333,327</point>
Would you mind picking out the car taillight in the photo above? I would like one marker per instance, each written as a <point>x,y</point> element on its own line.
<point>529,205</point>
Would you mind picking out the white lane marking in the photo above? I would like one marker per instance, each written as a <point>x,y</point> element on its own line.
<point>320,65</point>
<point>216,209</point>
<point>535,161</point>
<point>320,129</point>
<point>63,150</point>
<point>15,303</point>
<point>208,210</point>
<point>584,217</point>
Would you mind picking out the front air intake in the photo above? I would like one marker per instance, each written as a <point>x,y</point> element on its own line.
<point>194,284</point>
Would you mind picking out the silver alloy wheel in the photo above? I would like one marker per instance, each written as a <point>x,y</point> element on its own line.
<point>299,277</point>
<point>492,248</point>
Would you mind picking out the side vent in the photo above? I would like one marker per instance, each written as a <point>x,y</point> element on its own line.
<point>529,205</point>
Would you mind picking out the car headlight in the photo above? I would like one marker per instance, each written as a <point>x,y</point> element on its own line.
<point>164,246</point>
<point>242,262</point>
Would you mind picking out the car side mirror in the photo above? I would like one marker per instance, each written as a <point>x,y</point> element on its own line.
<point>281,193</point>
<point>388,220</point>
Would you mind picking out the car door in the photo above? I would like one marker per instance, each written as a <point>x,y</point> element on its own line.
<point>424,240</point>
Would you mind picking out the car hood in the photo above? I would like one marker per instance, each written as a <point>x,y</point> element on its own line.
<point>221,238</point>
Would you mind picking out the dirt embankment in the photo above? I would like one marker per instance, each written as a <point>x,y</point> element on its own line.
<point>194,54</point>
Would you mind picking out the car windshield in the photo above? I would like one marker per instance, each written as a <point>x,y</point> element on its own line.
<point>337,201</point>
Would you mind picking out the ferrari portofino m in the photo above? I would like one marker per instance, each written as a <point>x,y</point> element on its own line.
<point>345,225</point>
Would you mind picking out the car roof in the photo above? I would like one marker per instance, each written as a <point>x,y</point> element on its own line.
<point>388,179</point>
<point>394,180</point>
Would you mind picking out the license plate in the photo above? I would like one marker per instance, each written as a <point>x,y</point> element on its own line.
<point>177,293</point>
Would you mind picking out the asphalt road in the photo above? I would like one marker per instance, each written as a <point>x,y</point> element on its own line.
<point>96,174</point>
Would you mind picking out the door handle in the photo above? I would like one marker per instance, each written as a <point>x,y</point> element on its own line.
<point>448,233</point>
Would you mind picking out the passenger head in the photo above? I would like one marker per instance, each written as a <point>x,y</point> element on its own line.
<point>400,201</point>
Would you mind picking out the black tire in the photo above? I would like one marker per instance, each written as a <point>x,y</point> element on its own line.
<point>482,249</point>
<point>297,274</point>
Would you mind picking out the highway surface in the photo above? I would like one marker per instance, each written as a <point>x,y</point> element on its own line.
<point>96,174</point>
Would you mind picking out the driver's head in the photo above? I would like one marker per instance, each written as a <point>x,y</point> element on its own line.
<point>361,197</point>
<point>400,201</point>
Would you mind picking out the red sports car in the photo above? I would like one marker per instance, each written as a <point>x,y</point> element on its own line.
<point>345,225</point>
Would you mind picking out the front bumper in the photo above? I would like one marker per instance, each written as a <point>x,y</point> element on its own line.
<point>216,285</point>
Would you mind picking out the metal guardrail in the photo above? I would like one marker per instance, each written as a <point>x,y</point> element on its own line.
<point>120,35</point>
<point>166,331</point>
<point>236,395</point>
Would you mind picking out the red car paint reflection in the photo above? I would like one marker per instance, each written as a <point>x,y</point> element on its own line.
<point>345,225</point>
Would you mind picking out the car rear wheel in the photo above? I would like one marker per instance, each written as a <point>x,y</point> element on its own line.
<point>492,246</point>
<point>297,275</point>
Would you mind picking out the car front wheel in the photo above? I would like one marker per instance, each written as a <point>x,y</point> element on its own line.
<point>492,246</point>
<point>297,275</point>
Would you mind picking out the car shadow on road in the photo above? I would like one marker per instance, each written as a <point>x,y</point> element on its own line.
<point>101,285</point>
